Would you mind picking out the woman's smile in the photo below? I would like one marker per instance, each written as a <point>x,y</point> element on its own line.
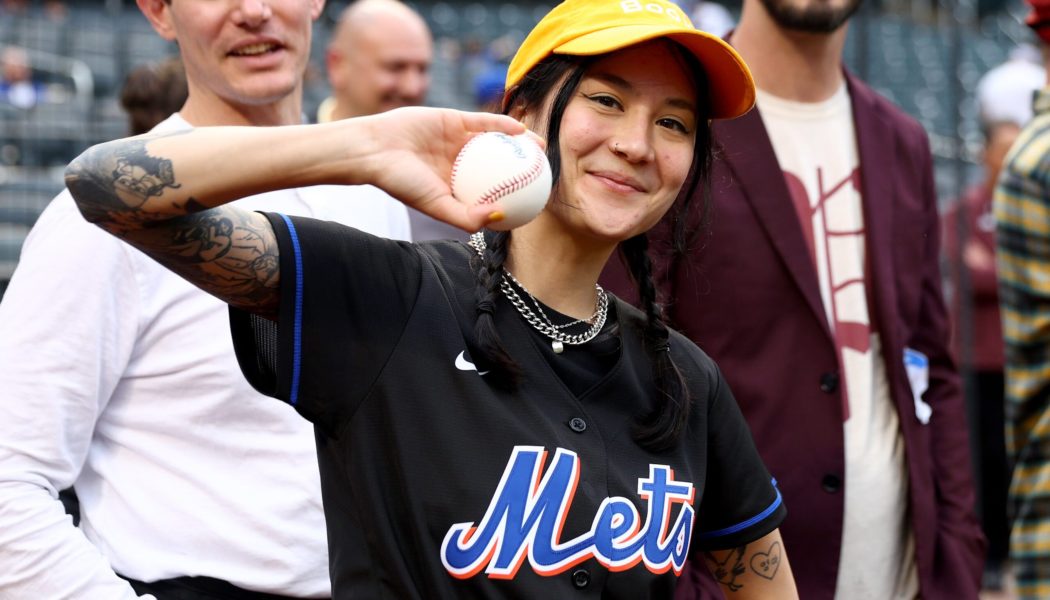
<point>619,182</point>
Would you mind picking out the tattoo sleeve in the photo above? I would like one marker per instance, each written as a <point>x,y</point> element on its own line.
<point>225,251</point>
<point>113,187</point>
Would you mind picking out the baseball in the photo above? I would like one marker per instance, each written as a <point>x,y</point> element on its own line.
<point>509,170</point>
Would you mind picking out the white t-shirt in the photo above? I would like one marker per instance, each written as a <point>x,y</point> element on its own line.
<point>120,377</point>
<point>816,147</point>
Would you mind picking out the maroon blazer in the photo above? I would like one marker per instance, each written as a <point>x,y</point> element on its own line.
<point>747,293</point>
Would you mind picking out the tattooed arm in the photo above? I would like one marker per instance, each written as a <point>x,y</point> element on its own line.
<point>134,194</point>
<point>166,194</point>
<point>756,570</point>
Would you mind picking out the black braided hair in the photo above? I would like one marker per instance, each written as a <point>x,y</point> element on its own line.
<point>660,428</point>
<point>488,271</point>
<point>488,268</point>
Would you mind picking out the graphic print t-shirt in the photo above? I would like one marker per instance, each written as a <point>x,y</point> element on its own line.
<point>816,146</point>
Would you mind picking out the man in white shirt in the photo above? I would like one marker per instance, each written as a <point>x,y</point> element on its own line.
<point>120,378</point>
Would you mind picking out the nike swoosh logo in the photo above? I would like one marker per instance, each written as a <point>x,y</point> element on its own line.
<point>465,365</point>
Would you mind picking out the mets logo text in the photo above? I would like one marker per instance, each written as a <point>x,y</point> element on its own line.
<point>528,510</point>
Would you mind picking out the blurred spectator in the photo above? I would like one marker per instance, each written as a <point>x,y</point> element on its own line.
<point>378,59</point>
<point>1004,98</point>
<point>17,87</point>
<point>1005,93</point>
<point>152,92</point>
<point>981,359</point>
<point>1022,202</point>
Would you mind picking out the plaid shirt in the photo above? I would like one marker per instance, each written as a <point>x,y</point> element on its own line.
<point>1022,212</point>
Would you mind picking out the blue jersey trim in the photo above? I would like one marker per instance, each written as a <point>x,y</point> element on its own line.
<point>745,524</point>
<point>297,326</point>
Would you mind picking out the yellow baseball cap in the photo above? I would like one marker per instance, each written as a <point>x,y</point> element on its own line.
<point>589,27</point>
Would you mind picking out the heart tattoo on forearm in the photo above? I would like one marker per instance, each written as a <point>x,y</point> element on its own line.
<point>765,564</point>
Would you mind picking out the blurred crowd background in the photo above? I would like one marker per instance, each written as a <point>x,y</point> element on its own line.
<point>77,72</point>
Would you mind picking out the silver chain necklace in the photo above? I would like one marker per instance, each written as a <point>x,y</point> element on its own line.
<point>538,319</point>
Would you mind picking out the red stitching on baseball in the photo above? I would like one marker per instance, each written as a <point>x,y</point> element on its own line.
<point>459,158</point>
<point>515,183</point>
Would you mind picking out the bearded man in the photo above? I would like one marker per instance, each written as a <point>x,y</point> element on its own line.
<point>813,282</point>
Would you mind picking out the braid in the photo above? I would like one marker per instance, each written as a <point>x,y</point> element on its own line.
<point>489,273</point>
<point>660,429</point>
<point>488,268</point>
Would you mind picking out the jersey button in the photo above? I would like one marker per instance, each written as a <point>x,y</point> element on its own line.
<point>580,578</point>
<point>831,483</point>
<point>829,382</point>
<point>578,425</point>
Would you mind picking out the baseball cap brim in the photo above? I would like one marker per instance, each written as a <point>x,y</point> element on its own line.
<point>731,84</point>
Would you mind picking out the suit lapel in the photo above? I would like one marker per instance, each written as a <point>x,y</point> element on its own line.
<point>746,149</point>
<point>875,146</point>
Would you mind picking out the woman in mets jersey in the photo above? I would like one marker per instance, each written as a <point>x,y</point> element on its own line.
<point>490,422</point>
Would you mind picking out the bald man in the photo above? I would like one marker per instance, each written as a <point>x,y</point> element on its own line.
<point>378,59</point>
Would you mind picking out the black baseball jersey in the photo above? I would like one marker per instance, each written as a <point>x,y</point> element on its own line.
<point>437,484</point>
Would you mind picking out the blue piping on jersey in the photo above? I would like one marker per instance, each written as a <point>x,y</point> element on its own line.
<point>745,524</point>
<point>297,327</point>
